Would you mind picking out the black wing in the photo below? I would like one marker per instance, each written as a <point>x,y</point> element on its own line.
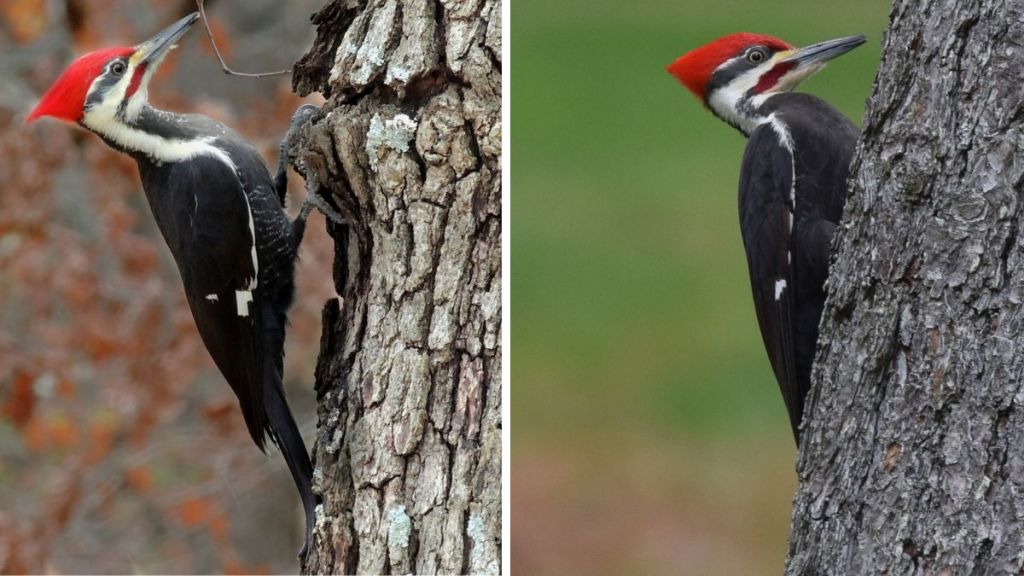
<point>205,217</point>
<point>766,221</point>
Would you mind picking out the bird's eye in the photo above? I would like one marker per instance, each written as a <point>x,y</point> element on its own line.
<point>117,68</point>
<point>756,56</point>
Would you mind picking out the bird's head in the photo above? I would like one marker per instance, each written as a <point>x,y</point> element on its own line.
<point>729,74</point>
<point>109,85</point>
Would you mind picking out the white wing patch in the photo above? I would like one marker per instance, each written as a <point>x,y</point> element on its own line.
<point>242,300</point>
<point>212,297</point>
<point>780,287</point>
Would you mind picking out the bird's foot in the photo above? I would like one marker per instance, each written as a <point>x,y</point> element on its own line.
<point>314,200</point>
<point>299,118</point>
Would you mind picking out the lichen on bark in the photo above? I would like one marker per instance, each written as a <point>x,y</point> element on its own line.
<point>408,146</point>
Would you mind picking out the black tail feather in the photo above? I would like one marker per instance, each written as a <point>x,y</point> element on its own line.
<point>286,435</point>
<point>283,430</point>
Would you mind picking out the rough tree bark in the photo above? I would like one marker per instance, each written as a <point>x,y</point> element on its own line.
<point>913,456</point>
<point>408,448</point>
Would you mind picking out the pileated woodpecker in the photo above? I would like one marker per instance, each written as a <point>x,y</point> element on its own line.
<point>792,184</point>
<point>223,218</point>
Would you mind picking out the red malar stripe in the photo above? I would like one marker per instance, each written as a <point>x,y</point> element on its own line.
<point>771,77</point>
<point>136,80</point>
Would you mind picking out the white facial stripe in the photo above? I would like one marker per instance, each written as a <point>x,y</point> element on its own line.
<point>102,118</point>
<point>112,96</point>
<point>99,111</point>
<point>726,100</point>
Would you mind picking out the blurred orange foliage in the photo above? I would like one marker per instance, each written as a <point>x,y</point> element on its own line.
<point>139,479</point>
<point>26,18</point>
<point>193,511</point>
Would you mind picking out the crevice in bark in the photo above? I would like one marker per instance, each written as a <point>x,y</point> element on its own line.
<point>439,23</point>
<point>465,549</point>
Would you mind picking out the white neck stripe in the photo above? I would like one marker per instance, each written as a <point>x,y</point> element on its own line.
<point>158,148</point>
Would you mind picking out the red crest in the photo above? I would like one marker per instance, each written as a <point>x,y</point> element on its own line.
<point>65,99</point>
<point>695,68</point>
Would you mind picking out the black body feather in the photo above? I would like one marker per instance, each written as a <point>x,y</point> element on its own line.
<point>822,142</point>
<point>202,208</point>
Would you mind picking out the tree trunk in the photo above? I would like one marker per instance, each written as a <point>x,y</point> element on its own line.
<point>912,459</point>
<point>408,448</point>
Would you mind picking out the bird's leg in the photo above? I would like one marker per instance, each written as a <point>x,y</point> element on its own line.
<point>313,199</point>
<point>300,117</point>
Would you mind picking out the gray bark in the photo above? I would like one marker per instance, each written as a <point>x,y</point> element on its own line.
<point>408,449</point>
<point>912,459</point>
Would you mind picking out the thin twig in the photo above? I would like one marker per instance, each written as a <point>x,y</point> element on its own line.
<point>223,66</point>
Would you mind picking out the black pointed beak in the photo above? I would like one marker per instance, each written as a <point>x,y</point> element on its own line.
<point>822,52</point>
<point>155,48</point>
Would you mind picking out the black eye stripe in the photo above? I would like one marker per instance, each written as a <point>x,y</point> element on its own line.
<point>102,85</point>
<point>736,66</point>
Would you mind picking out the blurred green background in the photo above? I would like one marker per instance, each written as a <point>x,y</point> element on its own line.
<point>648,433</point>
